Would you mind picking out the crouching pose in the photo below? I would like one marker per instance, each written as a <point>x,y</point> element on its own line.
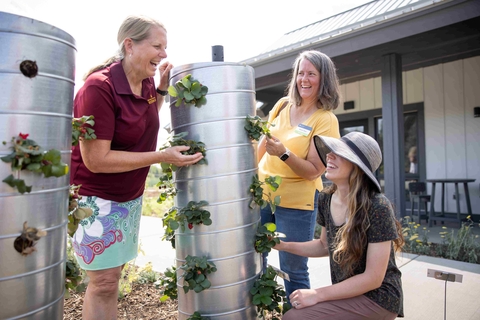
<point>360,235</point>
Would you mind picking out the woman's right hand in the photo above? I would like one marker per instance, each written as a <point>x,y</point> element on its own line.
<point>173,155</point>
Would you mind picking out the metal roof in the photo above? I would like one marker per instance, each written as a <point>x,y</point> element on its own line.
<point>366,15</point>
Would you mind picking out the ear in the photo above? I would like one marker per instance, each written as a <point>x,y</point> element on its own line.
<point>128,45</point>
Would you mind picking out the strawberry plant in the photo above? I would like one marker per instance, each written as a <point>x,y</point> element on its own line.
<point>191,215</point>
<point>197,316</point>
<point>256,189</point>
<point>188,91</point>
<point>256,127</point>
<point>265,238</point>
<point>169,283</point>
<point>166,185</point>
<point>74,275</point>
<point>28,155</point>
<point>195,270</point>
<point>179,140</point>
<point>76,213</point>
<point>82,129</point>
<point>268,295</point>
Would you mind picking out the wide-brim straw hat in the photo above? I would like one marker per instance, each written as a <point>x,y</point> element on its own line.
<point>356,147</point>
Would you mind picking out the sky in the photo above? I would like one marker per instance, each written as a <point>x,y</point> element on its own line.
<point>244,28</point>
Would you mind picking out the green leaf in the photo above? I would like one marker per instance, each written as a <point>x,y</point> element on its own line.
<point>186,82</point>
<point>188,96</point>
<point>172,91</point>
<point>277,200</point>
<point>34,166</point>
<point>53,156</point>
<point>196,88</point>
<point>8,158</point>
<point>270,226</point>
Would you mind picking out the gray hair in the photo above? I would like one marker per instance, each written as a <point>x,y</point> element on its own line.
<point>328,94</point>
<point>136,28</point>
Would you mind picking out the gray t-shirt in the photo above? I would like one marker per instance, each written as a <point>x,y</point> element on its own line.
<point>382,228</point>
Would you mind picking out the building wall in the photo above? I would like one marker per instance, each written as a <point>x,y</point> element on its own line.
<point>449,92</point>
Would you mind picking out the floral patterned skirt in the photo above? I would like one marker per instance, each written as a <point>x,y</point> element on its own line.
<point>109,237</point>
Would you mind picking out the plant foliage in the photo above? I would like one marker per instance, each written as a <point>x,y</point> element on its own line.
<point>169,283</point>
<point>28,155</point>
<point>256,127</point>
<point>190,215</point>
<point>76,213</point>
<point>256,189</point>
<point>82,129</point>
<point>268,295</point>
<point>188,91</point>
<point>195,271</point>
<point>265,238</point>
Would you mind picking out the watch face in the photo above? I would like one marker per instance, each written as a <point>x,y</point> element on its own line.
<point>284,157</point>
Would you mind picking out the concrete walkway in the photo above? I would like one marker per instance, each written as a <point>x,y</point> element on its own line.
<point>424,297</point>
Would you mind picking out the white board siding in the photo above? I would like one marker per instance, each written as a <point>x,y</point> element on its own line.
<point>352,93</point>
<point>449,91</point>
<point>378,92</point>
<point>413,86</point>
<point>471,82</point>
<point>340,110</point>
<point>434,111</point>
<point>366,95</point>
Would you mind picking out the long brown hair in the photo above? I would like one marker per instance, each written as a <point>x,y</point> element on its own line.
<point>329,93</point>
<point>351,240</point>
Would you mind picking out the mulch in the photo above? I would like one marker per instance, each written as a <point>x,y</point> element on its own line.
<point>142,303</point>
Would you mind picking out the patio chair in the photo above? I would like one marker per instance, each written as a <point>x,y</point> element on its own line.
<point>418,195</point>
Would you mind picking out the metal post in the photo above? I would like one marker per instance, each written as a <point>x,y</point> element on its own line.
<point>393,131</point>
<point>217,53</point>
<point>39,104</point>
<point>224,183</point>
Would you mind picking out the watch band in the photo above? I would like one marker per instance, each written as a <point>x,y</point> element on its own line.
<point>285,156</point>
<point>161,92</point>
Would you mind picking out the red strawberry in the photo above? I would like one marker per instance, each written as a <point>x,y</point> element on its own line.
<point>190,226</point>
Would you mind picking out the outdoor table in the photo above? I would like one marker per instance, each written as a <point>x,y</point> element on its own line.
<point>441,215</point>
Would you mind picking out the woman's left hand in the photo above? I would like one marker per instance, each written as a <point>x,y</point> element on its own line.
<point>303,298</point>
<point>274,147</point>
<point>164,70</point>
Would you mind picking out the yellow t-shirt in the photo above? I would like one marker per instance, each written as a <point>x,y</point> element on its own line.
<point>295,192</point>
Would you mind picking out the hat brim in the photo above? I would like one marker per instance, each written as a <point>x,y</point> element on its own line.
<point>326,145</point>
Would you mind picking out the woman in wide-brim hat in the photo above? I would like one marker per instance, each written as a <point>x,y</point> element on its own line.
<point>359,233</point>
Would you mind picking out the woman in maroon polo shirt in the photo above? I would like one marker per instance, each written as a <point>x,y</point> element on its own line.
<point>112,169</point>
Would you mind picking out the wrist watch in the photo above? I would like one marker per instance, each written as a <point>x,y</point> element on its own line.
<point>161,92</point>
<point>285,156</point>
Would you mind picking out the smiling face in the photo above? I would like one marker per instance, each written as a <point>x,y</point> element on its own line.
<point>148,53</point>
<point>308,80</point>
<point>338,169</point>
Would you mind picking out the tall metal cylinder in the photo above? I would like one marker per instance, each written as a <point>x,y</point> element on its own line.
<point>32,286</point>
<point>224,183</point>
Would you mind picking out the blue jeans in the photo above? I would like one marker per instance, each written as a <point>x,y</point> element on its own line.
<point>298,226</point>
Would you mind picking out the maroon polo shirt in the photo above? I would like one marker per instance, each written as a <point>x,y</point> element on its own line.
<point>130,122</point>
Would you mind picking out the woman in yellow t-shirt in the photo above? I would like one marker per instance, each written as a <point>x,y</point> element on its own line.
<point>291,154</point>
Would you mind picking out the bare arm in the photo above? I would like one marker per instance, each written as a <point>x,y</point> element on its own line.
<point>261,148</point>
<point>309,169</point>
<point>98,157</point>
<point>377,262</point>
<point>164,70</point>
<point>314,248</point>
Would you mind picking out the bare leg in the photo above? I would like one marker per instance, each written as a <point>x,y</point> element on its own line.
<point>100,300</point>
